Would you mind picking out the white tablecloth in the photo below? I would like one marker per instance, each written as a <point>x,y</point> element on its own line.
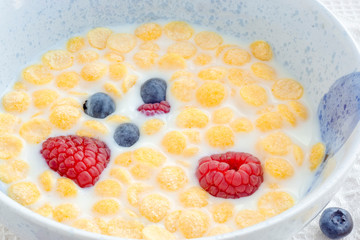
<point>348,12</point>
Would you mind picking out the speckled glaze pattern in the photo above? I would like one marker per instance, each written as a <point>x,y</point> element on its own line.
<point>306,39</point>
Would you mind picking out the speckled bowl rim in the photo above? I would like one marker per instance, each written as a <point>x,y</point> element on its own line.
<point>303,205</point>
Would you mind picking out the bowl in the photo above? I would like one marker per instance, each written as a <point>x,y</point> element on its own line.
<point>306,39</point>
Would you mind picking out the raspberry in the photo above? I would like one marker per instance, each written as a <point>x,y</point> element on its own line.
<point>80,159</point>
<point>150,109</point>
<point>230,175</point>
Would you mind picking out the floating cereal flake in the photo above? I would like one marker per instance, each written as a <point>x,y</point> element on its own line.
<point>96,126</point>
<point>93,71</point>
<point>154,207</point>
<point>106,207</point>
<point>68,101</point>
<point>241,125</point>
<point>44,98</point>
<point>67,80</point>
<point>98,37</point>
<point>181,73</point>
<point>263,71</point>
<point>317,155</point>
<point>145,59</point>
<point>261,50</point>
<point>287,89</point>
<point>16,101</point>
<point>150,46</point>
<point>171,221</point>
<point>153,232</point>
<point>192,135</point>
<point>19,86</point>
<point>108,188</point>
<point>114,57</point>
<point>112,90</point>
<point>122,42</point>
<point>194,197</point>
<point>45,210</point>
<point>25,193</point>
<point>148,31</point>
<point>75,44</point>
<point>117,71</point>
<point>121,175</point>
<point>178,31</point>
<point>58,59</point>
<point>193,223</point>
<point>236,57</point>
<point>65,212</point>
<point>183,88</point>
<point>286,114</point>
<point>276,143</point>
<point>298,154</point>
<point>131,229</point>
<point>172,178</point>
<point>279,168</point>
<point>152,126</point>
<point>184,49</point>
<point>202,59</point>
<point>128,82</point>
<point>87,225</point>
<point>141,171</point>
<point>174,142</point>
<point>124,159</point>
<point>66,187</point>
<point>222,212</point>
<point>8,123</point>
<point>211,94</point>
<point>299,109</point>
<point>117,118</point>
<point>149,156</point>
<point>35,130</point>
<point>269,121</point>
<point>64,117</point>
<point>87,56</point>
<point>134,191</point>
<point>254,95</point>
<point>190,151</point>
<point>219,230</point>
<point>247,218</point>
<point>274,203</point>
<point>208,40</point>
<point>240,77</point>
<point>46,180</point>
<point>213,73</point>
<point>220,49</point>
<point>220,137</point>
<point>172,61</point>
<point>13,171</point>
<point>132,213</point>
<point>10,146</point>
<point>37,74</point>
<point>192,117</point>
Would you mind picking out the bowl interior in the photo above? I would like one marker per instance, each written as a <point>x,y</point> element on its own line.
<point>306,39</point>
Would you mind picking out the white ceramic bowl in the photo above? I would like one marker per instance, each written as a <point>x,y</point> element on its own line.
<point>306,39</point>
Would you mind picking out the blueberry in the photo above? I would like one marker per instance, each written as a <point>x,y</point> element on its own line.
<point>336,223</point>
<point>126,134</point>
<point>99,105</point>
<point>153,90</point>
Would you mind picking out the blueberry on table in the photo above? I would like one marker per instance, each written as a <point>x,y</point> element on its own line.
<point>99,105</point>
<point>336,223</point>
<point>126,134</point>
<point>153,90</point>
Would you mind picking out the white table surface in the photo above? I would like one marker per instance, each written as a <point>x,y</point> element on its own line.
<point>348,197</point>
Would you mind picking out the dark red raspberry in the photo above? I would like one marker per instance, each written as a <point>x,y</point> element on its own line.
<point>82,159</point>
<point>230,175</point>
<point>150,109</point>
